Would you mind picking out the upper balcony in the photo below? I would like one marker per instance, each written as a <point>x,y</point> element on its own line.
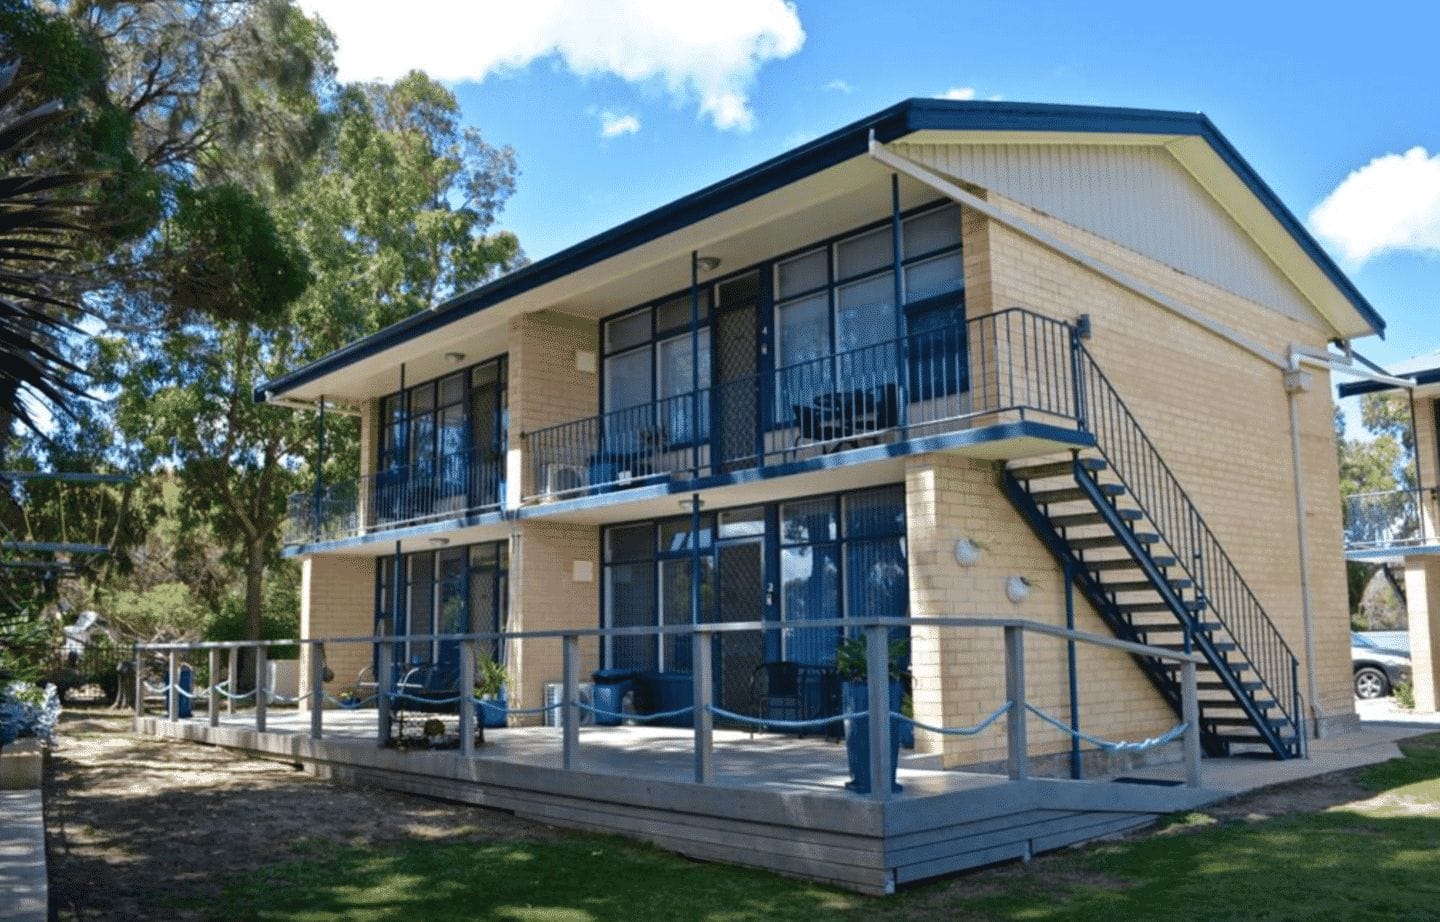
<point>1000,384</point>
<point>997,386</point>
<point>1390,524</point>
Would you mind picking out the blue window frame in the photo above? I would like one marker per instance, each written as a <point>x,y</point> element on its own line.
<point>833,556</point>
<point>450,591</point>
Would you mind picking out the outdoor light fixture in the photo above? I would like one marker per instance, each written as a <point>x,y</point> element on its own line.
<point>687,504</point>
<point>439,542</point>
<point>454,358</point>
<point>707,263</point>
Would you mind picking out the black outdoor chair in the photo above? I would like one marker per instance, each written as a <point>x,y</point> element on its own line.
<point>784,690</point>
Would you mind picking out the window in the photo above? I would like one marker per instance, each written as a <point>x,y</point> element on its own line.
<point>457,590</point>
<point>649,359</point>
<point>442,444</point>
<point>839,556</point>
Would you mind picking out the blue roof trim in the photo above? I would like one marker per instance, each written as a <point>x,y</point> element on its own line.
<point>1356,388</point>
<point>836,147</point>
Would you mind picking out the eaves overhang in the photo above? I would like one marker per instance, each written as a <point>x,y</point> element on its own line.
<point>847,143</point>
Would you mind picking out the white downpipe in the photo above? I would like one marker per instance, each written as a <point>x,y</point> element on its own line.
<point>1294,386</point>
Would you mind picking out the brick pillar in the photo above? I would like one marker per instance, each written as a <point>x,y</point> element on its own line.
<point>337,599</point>
<point>1422,594</point>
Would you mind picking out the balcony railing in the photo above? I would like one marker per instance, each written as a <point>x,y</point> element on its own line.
<point>442,488</point>
<point>1375,521</point>
<point>1012,363</point>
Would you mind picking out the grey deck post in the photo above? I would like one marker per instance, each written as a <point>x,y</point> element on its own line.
<point>213,699</point>
<point>1019,747</point>
<point>317,692</point>
<point>139,684</point>
<point>700,643</point>
<point>467,698</point>
<point>172,692</point>
<point>384,675</point>
<point>570,712</point>
<point>1190,710</point>
<point>231,670</point>
<point>262,687</point>
<point>877,665</point>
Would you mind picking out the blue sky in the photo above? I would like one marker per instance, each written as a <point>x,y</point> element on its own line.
<point>693,92</point>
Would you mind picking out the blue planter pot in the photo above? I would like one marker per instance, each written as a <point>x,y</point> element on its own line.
<point>857,736</point>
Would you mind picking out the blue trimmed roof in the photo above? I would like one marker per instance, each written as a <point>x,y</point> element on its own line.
<point>1422,369</point>
<point>889,124</point>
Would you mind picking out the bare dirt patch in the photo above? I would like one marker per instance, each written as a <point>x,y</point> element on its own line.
<point>132,822</point>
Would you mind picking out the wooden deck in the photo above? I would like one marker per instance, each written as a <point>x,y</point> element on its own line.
<point>778,802</point>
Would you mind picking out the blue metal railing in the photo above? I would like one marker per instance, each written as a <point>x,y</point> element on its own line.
<point>929,382</point>
<point>1153,487</point>
<point>445,487</point>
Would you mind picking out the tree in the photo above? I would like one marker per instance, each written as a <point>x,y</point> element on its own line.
<point>1374,473</point>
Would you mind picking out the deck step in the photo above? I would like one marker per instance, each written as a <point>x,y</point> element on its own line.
<point>1094,518</point>
<point>1073,494</point>
<point>1054,469</point>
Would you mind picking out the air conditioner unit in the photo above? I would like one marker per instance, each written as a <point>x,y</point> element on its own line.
<point>555,693</point>
<point>562,478</point>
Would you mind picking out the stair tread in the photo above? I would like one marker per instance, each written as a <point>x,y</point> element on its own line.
<point>1073,494</point>
<point>1171,627</point>
<point>1126,563</point>
<point>1054,469</point>
<point>1093,518</point>
<point>1144,537</point>
<point>1142,607</point>
<point>1141,585</point>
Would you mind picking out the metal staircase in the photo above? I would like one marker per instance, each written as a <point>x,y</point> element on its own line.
<point>1134,544</point>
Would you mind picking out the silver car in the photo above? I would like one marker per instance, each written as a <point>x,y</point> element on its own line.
<point>1380,660</point>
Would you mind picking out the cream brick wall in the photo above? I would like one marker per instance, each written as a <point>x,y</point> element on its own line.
<point>1218,415</point>
<point>547,596</point>
<point>960,674</point>
<point>545,386</point>
<point>1422,598</point>
<point>337,599</point>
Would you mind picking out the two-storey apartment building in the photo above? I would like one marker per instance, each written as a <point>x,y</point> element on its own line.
<point>957,358</point>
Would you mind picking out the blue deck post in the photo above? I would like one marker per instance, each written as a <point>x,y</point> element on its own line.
<point>570,712</point>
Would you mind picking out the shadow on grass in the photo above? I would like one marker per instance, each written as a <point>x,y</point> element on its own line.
<point>584,877</point>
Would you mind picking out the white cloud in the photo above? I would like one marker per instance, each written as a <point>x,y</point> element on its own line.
<point>839,86</point>
<point>705,52</point>
<point>1390,203</point>
<point>614,124</point>
<point>959,92</point>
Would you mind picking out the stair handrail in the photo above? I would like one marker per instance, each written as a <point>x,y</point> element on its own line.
<point>1130,454</point>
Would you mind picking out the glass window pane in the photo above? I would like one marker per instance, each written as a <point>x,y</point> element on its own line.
<point>865,312</point>
<point>931,231</point>
<point>627,380</point>
<point>804,330</point>
<point>422,398</point>
<point>875,579</point>
<point>674,364</point>
<point>742,523</point>
<point>630,542</point>
<point>810,591</point>
<point>875,513</point>
<point>865,253</point>
<point>630,330</point>
<point>630,602</point>
<point>391,408</point>
<point>803,273</point>
<point>675,533</point>
<point>934,276</point>
<point>483,555</point>
<point>676,608</point>
<point>807,521</point>
<point>676,312</point>
<point>489,373</point>
<point>742,290</point>
<point>422,439</point>
<point>452,389</point>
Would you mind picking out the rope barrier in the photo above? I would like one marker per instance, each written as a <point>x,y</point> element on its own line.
<point>785,724</point>
<point>523,711</point>
<point>642,718</point>
<point>1169,736</point>
<point>351,705</point>
<point>397,696</point>
<point>995,715</point>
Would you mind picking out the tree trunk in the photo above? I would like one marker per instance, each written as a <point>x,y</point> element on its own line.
<point>254,599</point>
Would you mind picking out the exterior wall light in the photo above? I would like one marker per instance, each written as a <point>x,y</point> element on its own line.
<point>967,552</point>
<point>1017,589</point>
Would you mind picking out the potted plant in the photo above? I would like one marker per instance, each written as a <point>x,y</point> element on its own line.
<point>490,681</point>
<point>851,666</point>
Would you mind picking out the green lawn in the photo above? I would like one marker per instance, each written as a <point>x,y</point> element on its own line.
<point>1376,858</point>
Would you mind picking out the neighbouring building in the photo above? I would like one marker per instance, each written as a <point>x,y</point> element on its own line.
<point>956,358</point>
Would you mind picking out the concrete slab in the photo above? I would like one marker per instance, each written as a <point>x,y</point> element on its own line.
<point>22,857</point>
